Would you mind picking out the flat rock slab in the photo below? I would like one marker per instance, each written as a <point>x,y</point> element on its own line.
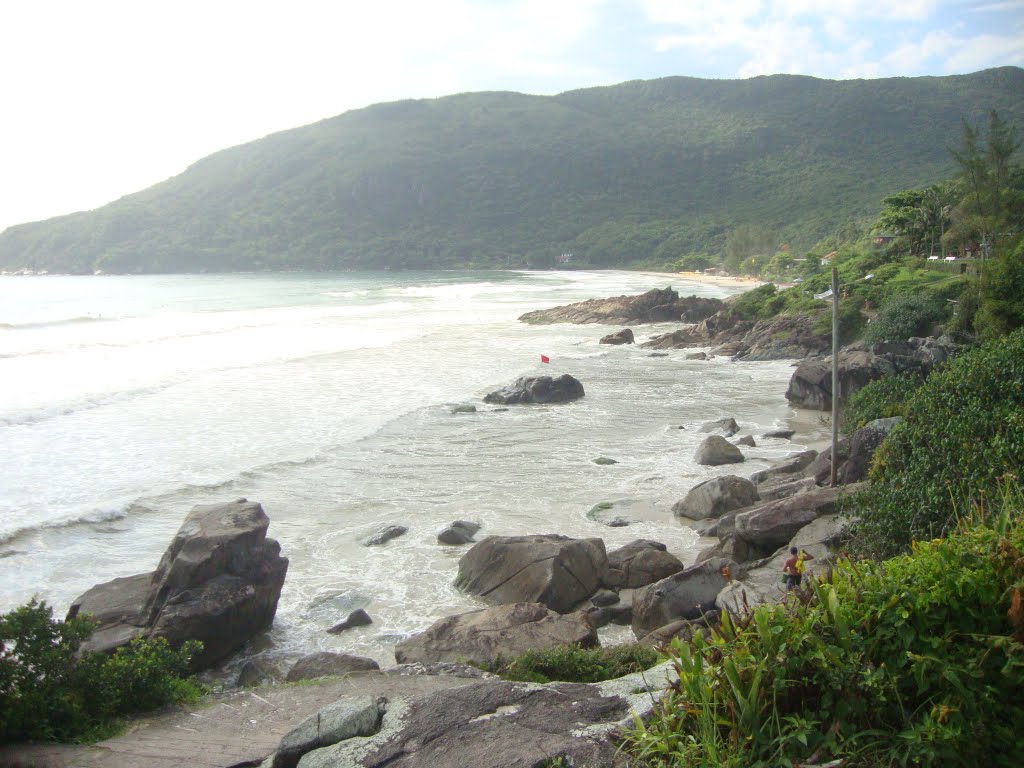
<point>231,729</point>
<point>500,724</point>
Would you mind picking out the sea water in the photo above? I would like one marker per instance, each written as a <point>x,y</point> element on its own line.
<point>331,399</point>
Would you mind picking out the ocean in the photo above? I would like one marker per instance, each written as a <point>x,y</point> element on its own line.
<point>330,399</point>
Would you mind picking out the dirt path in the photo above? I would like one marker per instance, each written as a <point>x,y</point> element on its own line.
<point>231,729</point>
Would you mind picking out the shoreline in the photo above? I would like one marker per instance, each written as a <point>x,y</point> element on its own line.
<point>700,277</point>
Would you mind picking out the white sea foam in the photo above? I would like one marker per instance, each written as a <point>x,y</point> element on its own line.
<point>328,399</point>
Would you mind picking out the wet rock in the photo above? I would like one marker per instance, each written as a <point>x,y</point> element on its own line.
<point>358,618</point>
<point>716,450</point>
<point>715,497</point>
<point>458,532</point>
<point>625,336</point>
<point>538,389</point>
<point>554,570</point>
<point>385,535</point>
<point>726,426</point>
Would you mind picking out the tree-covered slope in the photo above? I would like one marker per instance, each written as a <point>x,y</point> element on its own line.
<point>645,169</point>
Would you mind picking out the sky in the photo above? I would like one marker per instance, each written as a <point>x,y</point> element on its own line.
<point>102,98</point>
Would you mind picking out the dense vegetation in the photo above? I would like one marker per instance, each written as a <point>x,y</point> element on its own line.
<point>48,691</point>
<point>915,661</point>
<point>676,171</point>
<point>961,440</point>
<point>573,664</point>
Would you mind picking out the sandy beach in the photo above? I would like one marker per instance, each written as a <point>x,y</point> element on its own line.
<point>700,277</point>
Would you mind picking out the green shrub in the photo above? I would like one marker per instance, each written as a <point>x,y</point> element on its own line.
<point>916,661</point>
<point>880,399</point>
<point>571,663</point>
<point>48,691</point>
<point>763,301</point>
<point>903,316</point>
<point>962,433</point>
<point>851,321</point>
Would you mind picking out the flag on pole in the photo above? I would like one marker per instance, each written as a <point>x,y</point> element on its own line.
<point>545,359</point>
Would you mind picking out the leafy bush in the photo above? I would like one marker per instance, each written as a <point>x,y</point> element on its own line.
<point>48,691</point>
<point>916,661</point>
<point>903,316</point>
<point>571,663</point>
<point>757,302</point>
<point>963,432</point>
<point>880,399</point>
<point>851,321</point>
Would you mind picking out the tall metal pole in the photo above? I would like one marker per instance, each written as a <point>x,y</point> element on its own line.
<point>835,375</point>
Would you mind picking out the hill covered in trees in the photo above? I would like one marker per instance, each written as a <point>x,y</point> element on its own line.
<point>646,170</point>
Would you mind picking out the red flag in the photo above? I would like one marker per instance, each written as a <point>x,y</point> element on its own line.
<point>545,359</point>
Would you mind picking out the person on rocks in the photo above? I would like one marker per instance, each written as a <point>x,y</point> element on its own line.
<point>793,568</point>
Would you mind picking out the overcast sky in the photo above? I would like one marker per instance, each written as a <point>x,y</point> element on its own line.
<point>101,98</point>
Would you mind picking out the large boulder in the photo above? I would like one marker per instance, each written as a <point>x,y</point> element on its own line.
<point>715,497</point>
<point>329,664</point>
<point>538,389</point>
<point>219,582</point>
<point>480,637</point>
<point>811,383</point>
<point>639,563</point>
<point>790,465</point>
<point>775,523</point>
<point>458,532</point>
<point>810,386</point>
<point>716,450</point>
<point>349,716</point>
<point>688,594</point>
<point>862,448</point>
<point>551,569</point>
<point>625,336</point>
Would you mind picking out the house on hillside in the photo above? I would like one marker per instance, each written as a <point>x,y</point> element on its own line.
<point>564,258</point>
<point>883,239</point>
<point>827,258</point>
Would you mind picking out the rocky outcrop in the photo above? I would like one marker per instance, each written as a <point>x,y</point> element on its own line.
<point>777,338</point>
<point>774,524</point>
<point>554,570</point>
<point>480,637</point>
<point>329,664</point>
<point>655,306</point>
<point>716,450</point>
<point>863,444</point>
<point>639,563</point>
<point>498,724</point>
<point>788,466</point>
<point>715,497</point>
<point>219,582</point>
<point>538,389</point>
<point>625,336</point>
<point>684,595</point>
<point>859,364</point>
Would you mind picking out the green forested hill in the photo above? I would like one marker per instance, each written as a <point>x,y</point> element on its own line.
<point>645,169</point>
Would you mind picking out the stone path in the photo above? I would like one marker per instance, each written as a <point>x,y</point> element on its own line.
<point>227,730</point>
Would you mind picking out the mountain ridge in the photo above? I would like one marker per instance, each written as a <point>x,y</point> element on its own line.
<point>647,169</point>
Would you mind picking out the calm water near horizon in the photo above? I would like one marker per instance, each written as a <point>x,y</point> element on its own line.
<point>126,400</point>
